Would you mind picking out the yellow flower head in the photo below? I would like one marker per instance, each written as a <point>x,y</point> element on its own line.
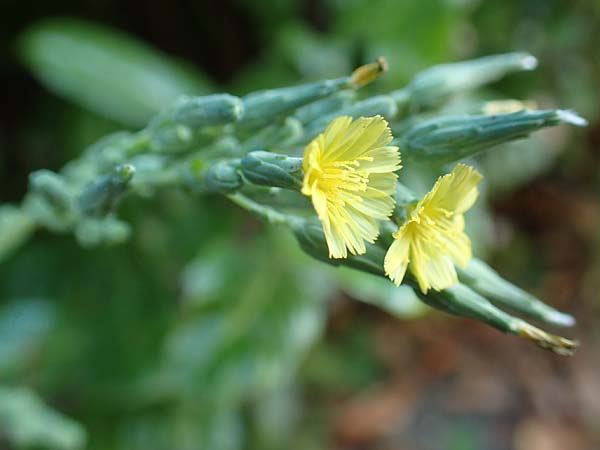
<point>349,175</point>
<point>433,237</point>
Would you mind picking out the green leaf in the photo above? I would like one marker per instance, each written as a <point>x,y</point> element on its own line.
<point>104,70</point>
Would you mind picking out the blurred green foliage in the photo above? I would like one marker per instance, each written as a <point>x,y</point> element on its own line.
<point>190,335</point>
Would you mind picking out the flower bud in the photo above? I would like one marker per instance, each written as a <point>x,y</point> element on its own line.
<point>451,138</point>
<point>435,84</point>
<point>483,279</point>
<point>211,110</point>
<point>263,106</point>
<point>100,197</point>
<point>271,169</point>
<point>460,300</point>
<point>53,189</point>
<point>221,178</point>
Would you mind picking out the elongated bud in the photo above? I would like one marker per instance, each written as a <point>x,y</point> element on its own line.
<point>462,301</point>
<point>452,138</point>
<point>484,280</point>
<point>271,169</point>
<point>211,110</point>
<point>325,107</point>
<point>435,84</point>
<point>369,72</point>
<point>276,136</point>
<point>221,178</point>
<point>53,189</point>
<point>382,105</point>
<point>263,106</point>
<point>100,197</point>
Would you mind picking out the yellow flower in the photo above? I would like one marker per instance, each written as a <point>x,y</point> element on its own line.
<point>349,175</point>
<point>433,237</point>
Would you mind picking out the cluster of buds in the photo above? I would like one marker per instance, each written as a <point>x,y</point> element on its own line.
<point>319,142</point>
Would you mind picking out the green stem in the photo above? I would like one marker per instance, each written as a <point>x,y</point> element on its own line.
<point>271,215</point>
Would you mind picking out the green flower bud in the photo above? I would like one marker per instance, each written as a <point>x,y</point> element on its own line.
<point>211,110</point>
<point>100,197</point>
<point>271,169</point>
<point>263,106</point>
<point>451,138</point>
<point>221,178</point>
<point>435,84</point>
<point>460,300</point>
<point>52,188</point>
<point>483,279</point>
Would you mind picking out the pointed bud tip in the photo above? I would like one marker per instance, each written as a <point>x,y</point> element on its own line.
<point>529,62</point>
<point>571,117</point>
<point>561,319</point>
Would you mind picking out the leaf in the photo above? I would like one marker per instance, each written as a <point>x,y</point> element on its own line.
<point>105,70</point>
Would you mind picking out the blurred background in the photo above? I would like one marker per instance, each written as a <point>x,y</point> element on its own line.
<point>211,330</point>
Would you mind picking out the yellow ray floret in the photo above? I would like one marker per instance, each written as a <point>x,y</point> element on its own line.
<point>349,175</point>
<point>433,237</point>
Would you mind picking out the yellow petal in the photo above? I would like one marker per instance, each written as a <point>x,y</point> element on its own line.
<point>432,268</point>
<point>397,257</point>
<point>459,247</point>
<point>455,192</point>
<point>381,160</point>
<point>361,136</point>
